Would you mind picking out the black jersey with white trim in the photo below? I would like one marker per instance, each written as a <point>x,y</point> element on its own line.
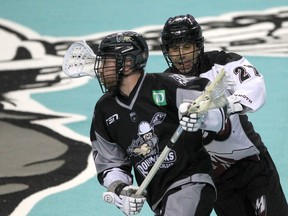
<point>239,140</point>
<point>132,131</point>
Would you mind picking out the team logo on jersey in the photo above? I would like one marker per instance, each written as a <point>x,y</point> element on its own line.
<point>112,119</point>
<point>260,206</point>
<point>146,145</point>
<point>183,80</point>
<point>159,97</point>
<point>133,116</point>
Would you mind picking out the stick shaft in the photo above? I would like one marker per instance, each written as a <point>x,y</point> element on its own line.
<point>159,161</point>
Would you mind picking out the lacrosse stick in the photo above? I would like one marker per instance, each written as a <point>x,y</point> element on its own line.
<point>213,97</point>
<point>79,60</point>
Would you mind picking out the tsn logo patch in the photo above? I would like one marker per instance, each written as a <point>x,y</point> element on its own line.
<point>112,119</point>
<point>159,97</point>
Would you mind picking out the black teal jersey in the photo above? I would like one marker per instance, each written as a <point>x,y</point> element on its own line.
<point>239,140</point>
<point>132,131</point>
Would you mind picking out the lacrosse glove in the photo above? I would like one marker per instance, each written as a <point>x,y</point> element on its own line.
<point>124,197</point>
<point>212,120</point>
<point>189,121</point>
<point>234,105</point>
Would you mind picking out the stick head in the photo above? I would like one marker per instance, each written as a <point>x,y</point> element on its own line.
<point>213,96</point>
<point>79,60</point>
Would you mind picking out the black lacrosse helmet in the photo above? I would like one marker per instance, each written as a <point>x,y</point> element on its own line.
<point>181,29</point>
<point>122,46</point>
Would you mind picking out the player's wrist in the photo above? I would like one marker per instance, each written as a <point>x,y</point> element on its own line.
<point>117,187</point>
<point>125,197</point>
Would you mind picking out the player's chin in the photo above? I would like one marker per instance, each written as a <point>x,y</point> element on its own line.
<point>110,85</point>
<point>184,70</point>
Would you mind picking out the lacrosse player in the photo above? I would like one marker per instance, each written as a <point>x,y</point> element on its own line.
<point>134,121</point>
<point>245,176</point>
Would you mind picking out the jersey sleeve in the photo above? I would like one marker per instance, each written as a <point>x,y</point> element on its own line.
<point>111,162</point>
<point>246,83</point>
<point>110,159</point>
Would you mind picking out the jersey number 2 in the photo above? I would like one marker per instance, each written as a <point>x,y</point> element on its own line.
<point>243,74</point>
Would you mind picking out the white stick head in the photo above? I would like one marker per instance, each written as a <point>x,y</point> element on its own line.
<point>79,60</point>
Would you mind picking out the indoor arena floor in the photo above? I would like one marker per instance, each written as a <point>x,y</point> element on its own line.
<point>46,167</point>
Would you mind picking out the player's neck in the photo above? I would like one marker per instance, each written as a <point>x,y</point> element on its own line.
<point>128,83</point>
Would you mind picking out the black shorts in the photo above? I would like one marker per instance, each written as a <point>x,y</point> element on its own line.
<point>250,188</point>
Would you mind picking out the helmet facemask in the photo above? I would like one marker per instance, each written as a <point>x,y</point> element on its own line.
<point>108,71</point>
